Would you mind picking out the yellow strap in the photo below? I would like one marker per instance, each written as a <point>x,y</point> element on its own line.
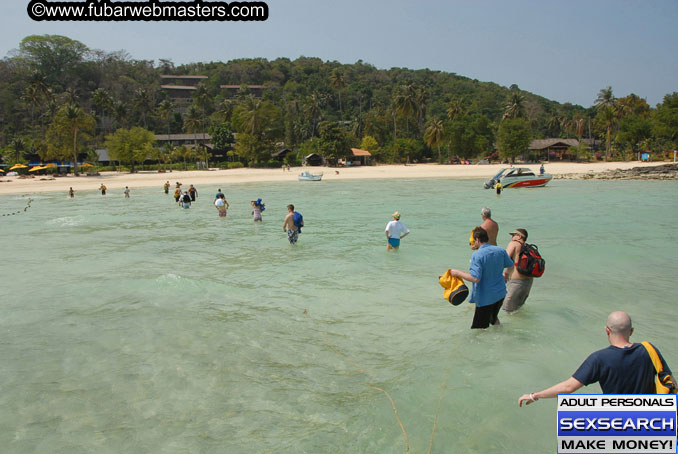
<point>653,355</point>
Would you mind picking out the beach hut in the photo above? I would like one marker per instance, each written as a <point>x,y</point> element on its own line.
<point>549,149</point>
<point>314,159</point>
<point>359,157</point>
<point>280,155</point>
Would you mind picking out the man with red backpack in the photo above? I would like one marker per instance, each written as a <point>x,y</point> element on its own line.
<point>518,284</point>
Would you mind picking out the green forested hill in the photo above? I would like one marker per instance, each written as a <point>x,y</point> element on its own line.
<point>52,86</point>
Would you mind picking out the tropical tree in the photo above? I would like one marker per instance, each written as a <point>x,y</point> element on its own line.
<point>513,138</point>
<point>334,141</point>
<point>405,101</point>
<point>434,136</point>
<point>32,97</point>
<point>515,105</point>
<point>314,111</point>
<point>130,146</point>
<point>454,109</point>
<point>143,103</point>
<point>120,112</point>
<point>338,82</point>
<point>18,146</point>
<point>103,100</point>
<point>71,127</point>
<point>259,125</point>
<point>665,120</point>
<point>164,111</point>
<point>605,103</point>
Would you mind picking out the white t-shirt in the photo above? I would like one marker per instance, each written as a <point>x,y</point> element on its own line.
<point>396,229</point>
<point>219,202</point>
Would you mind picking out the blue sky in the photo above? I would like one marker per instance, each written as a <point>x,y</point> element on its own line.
<point>562,50</point>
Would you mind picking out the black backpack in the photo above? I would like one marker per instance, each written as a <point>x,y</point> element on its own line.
<point>530,262</point>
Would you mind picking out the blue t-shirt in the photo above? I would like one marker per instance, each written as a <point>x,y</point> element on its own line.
<point>620,370</point>
<point>487,264</point>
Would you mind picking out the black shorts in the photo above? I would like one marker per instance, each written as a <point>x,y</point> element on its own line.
<point>487,315</point>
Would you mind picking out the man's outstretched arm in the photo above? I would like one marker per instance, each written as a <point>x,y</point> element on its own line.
<point>564,387</point>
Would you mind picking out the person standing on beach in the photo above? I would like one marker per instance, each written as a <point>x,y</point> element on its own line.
<point>486,273</point>
<point>166,187</point>
<point>292,224</point>
<point>491,227</point>
<point>71,192</point>
<point>126,192</point>
<point>193,193</point>
<point>518,284</point>
<point>395,231</point>
<point>102,188</point>
<point>621,368</point>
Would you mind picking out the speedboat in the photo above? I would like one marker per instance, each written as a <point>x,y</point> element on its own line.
<point>308,176</point>
<point>519,177</point>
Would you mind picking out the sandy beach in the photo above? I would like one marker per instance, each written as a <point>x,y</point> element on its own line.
<point>144,179</point>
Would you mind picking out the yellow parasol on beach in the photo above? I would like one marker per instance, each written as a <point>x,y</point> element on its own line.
<point>51,165</point>
<point>17,166</point>
<point>36,168</point>
<point>86,164</point>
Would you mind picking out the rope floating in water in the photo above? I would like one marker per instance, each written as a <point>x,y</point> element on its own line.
<point>374,377</point>
<point>18,212</point>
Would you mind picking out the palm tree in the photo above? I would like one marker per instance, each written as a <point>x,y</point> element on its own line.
<point>514,107</point>
<point>338,82</point>
<point>102,99</point>
<point>72,112</point>
<point>164,111</point>
<point>225,109</point>
<point>314,111</point>
<point>454,109</point>
<point>202,100</point>
<point>18,145</point>
<point>33,99</point>
<point>406,103</point>
<point>193,122</point>
<point>605,103</point>
<point>434,136</point>
<point>142,101</point>
<point>71,96</point>
<point>605,98</point>
<point>420,99</point>
<point>553,124</point>
<point>608,118</point>
<point>120,113</point>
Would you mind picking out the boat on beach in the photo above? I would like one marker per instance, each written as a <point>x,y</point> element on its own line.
<point>518,177</point>
<point>308,176</point>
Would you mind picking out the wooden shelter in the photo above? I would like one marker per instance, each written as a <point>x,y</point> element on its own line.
<point>554,148</point>
<point>359,157</point>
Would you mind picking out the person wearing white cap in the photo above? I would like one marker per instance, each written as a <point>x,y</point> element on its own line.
<point>395,231</point>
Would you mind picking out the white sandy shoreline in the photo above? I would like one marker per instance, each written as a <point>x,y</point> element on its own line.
<point>116,180</point>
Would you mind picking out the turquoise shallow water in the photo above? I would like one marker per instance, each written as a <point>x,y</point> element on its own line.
<point>135,326</point>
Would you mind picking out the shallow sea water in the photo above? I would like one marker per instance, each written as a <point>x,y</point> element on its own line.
<point>133,326</point>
